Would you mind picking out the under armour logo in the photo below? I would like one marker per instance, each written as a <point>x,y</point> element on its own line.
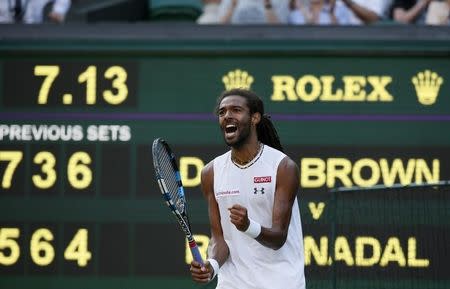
<point>260,191</point>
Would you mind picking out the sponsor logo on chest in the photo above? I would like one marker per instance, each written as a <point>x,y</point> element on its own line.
<point>259,180</point>
<point>227,193</point>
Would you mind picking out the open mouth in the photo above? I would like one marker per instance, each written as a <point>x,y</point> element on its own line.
<point>231,128</point>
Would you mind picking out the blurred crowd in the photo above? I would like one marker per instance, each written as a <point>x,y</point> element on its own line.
<point>33,11</point>
<point>325,12</point>
<point>292,12</point>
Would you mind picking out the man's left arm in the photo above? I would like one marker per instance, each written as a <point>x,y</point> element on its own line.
<point>285,193</point>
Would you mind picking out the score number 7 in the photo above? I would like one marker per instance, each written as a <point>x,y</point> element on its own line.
<point>51,72</point>
<point>14,158</point>
<point>117,74</point>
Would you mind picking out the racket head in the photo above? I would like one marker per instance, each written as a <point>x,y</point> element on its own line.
<point>168,176</point>
<point>169,181</point>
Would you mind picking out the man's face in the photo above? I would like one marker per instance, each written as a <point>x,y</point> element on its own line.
<point>234,120</point>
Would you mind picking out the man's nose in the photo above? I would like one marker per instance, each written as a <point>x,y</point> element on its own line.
<point>228,114</point>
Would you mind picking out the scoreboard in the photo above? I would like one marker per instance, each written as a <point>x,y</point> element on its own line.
<point>79,207</point>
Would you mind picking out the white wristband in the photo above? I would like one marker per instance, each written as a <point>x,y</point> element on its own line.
<point>215,265</point>
<point>253,230</point>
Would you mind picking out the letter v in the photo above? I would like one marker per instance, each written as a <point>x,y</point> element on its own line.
<point>316,209</point>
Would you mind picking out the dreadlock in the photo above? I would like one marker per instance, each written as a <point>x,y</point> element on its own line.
<point>265,129</point>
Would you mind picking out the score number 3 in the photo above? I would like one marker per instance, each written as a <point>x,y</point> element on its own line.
<point>117,74</point>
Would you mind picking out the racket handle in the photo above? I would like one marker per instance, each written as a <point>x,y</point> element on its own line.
<point>195,252</point>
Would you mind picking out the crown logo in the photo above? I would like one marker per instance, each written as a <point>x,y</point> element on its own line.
<point>427,84</point>
<point>237,79</point>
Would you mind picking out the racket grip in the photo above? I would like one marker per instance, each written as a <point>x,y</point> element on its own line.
<point>195,252</point>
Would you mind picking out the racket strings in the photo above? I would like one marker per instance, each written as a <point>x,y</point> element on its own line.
<point>171,181</point>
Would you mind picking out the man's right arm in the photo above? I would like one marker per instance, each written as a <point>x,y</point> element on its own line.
<point>218,248</point>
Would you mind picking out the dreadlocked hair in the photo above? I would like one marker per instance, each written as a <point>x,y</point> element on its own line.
<point>267,134</point>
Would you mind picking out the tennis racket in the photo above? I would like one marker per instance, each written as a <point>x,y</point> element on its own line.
<point>169,181</point>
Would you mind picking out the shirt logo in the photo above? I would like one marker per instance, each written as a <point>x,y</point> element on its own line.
<point>228,193</point>
<point>260,191</point>
<point>259,180</point>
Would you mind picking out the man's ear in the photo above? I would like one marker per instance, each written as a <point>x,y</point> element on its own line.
<point>256,118</point>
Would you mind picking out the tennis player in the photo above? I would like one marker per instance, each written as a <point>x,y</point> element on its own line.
<point>256,233</point>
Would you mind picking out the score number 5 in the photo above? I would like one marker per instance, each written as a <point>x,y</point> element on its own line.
<point>117,74</point>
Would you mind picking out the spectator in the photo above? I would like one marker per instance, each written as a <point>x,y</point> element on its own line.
<point>12,10</point>
<point>254,11</point>
<point>36,8</point>
<point>211,12</point>
<point>367,12</point>
<point>32,11</point>
<point>409,11</point>
<point>438,13</point>
<point>318,12</point>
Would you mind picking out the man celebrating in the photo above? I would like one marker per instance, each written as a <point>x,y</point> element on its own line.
<point>256,234</point>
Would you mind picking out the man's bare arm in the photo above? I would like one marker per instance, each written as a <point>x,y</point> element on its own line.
<point>218,248</point>
<point>285,193</point>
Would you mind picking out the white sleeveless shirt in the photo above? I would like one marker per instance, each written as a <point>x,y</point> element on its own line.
<point>250,264</point>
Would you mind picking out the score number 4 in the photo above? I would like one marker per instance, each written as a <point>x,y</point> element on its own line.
<point>78,173</point>
<point>117,74</point>
<point>41,250</point>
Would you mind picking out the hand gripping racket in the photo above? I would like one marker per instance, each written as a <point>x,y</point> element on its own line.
<point>169,181</point>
